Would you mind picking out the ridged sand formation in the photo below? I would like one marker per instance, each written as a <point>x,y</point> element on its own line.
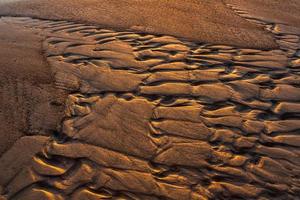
<point>158,117</point>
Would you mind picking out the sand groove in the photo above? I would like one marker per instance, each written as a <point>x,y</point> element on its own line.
<point>158,117</point>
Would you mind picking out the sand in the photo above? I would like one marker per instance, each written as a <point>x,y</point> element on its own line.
<point>108,111</point>
<point>205,21</point>
<point>26,87</point>
<point>287,12</point>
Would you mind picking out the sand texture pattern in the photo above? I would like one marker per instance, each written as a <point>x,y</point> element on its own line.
<point>152,116</point>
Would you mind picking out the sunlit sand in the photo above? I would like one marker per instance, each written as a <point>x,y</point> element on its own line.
<point>107,100</point>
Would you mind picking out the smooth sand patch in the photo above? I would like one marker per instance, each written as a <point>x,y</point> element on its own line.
<point>204,21</point>
<point>26,87</point>
<point>286,12</point>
